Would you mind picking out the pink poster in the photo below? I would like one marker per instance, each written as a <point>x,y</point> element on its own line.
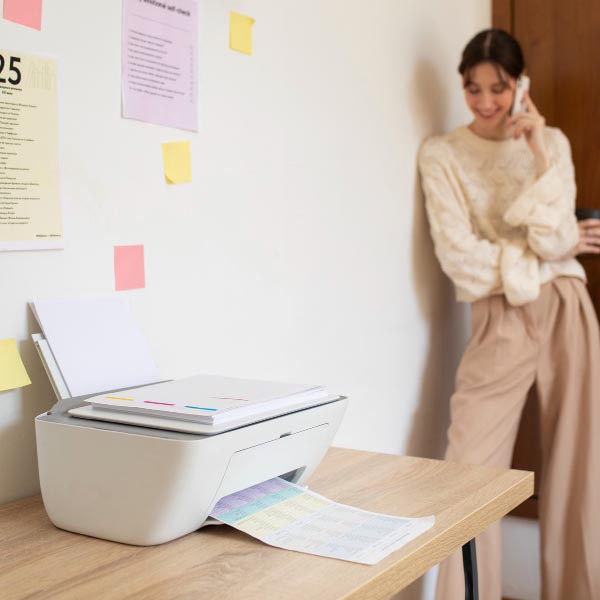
<point>159,49</point>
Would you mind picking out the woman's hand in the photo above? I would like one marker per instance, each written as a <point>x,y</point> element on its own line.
<point>589,239</point>
<point>531,125</point>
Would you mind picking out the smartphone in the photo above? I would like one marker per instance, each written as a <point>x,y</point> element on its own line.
<point>523,83</point>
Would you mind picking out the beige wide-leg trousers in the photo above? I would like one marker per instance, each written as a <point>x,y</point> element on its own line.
<point>552,343</point>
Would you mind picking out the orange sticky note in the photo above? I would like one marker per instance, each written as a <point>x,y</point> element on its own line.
<point>24,12</point>
<point>129,267</point>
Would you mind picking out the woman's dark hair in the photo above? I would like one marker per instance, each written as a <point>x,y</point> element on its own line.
<point>495,46</point>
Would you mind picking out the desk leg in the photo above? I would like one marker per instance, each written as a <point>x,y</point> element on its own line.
<point>470,567</point>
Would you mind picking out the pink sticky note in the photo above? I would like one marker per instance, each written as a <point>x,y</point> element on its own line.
<point>25,12</point>
<point>129,267</point>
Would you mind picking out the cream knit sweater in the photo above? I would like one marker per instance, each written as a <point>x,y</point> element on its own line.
<point>496,227</point>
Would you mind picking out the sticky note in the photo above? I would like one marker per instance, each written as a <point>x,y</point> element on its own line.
<point>12,371</point>
<point>177,161</point>
<point>24,12</point>
<point>129,267</point>
<point>240,32</point>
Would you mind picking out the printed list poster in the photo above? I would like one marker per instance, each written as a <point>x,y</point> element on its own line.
<point>30,213</point>
<point>159,46</point>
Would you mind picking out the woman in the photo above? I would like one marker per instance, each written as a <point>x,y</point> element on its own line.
<point>500,197</point>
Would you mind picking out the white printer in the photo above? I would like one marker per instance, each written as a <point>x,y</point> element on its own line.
<point>147,480</point>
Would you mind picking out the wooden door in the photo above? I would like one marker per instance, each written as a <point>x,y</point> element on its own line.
<point>561,43</point>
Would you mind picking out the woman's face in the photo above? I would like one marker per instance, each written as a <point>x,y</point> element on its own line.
<point>489,95</point>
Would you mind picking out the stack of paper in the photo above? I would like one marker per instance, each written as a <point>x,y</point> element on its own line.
<point>96,344</point>
<point>212,399</point>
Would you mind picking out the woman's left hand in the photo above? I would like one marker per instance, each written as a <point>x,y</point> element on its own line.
<point>589,237</point>
<point>531,125</point>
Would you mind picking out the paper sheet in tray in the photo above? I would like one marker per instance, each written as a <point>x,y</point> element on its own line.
<point>96,343</point>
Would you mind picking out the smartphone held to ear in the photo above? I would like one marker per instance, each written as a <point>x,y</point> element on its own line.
<point>522,86</point>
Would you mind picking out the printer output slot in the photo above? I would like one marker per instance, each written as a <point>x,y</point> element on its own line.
<point>286,456</point>
<point>293,476</point>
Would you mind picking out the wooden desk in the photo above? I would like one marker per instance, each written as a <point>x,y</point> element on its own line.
<point>38,560</point>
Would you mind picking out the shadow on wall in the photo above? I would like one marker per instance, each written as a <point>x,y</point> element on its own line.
<point>18,457</point>
<point>435,293</point>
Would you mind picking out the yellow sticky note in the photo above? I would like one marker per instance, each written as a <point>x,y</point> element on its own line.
<point>240,32</point>
<point>177,161</point>
<point>12,370</point>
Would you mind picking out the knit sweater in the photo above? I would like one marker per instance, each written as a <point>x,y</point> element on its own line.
<point>497,227</point>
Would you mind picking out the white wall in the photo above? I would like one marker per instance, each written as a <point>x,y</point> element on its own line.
<point>521,558</point>
<point>300,251</point>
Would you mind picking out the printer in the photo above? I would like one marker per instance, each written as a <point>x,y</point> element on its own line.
<point>146,480</point>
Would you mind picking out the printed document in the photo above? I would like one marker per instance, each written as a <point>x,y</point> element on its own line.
<point>30,212</point>
<point>288,516</point>
<point>159,64</point>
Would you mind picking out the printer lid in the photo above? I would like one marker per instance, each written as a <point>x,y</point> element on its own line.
<point>157,422</point>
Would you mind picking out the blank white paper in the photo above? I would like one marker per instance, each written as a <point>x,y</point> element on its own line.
<point>97,343</point>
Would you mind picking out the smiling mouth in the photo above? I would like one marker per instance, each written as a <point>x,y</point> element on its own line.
<point>488,116</point>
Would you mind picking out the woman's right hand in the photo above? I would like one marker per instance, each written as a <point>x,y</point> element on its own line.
<point>530,124</point>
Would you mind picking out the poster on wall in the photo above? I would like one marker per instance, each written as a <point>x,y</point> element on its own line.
<point>30,212</point>
<point>159,49</point>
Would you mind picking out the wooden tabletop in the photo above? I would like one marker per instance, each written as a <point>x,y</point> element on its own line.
<point>39,561</point>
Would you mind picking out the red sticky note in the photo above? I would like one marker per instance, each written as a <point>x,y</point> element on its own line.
<point>25,12</point>
<point>129,267</point>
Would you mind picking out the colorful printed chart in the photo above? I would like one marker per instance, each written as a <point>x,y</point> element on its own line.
<point>288,516</point>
